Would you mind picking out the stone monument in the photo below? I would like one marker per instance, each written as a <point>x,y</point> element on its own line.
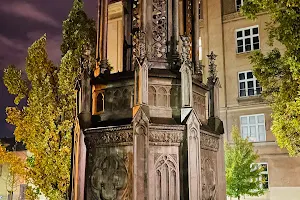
<point>143,133</point>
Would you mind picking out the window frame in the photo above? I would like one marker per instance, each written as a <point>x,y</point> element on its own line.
<point>264,173</point>
<point>237,9</point>
<point>253,79</point>
<point>256,124</point>
<point>243,38</point>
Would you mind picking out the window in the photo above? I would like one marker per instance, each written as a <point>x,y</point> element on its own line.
<point>248,85</point>
<point>247,39</point>
<point>200,49</point>
<point>100,102</point>
<point>264,175</point>
<point>239,4</point>
<point>253,127</point>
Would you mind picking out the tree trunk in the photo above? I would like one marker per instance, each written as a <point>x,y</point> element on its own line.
<point>10,195</point>
<point>239,197</point>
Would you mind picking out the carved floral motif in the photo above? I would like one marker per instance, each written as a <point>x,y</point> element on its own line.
<point>99,139</point>
<point>165,136</point>
<point>209,141</point>
<point>159,29</point>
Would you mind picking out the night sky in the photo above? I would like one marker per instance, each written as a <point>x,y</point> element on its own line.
<point>21,23</point>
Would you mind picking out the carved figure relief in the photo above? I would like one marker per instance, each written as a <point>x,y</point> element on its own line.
<point>109,176</point>
<point>208,178</point>
<point>159,29</point>
<point>166,178</point>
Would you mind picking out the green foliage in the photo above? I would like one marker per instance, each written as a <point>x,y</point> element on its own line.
<point>279,71</point>
<point>78,30</point>
<point>45,123</point>
<point>242,175</point>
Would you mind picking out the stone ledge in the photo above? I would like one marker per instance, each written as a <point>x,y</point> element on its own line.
<point>250,100</point>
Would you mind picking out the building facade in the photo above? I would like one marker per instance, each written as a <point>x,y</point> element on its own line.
<point>240,100</point>
<point>233,37</point>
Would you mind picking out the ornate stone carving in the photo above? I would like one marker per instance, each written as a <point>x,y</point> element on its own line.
<point>139,46</point>
<point>209,142</point>
<point>140,123</point>
<point>108,177</point>
<point>165,136</point>
<point>166,178</point>
<point>116,99</point>
<point>208,178</point>
<point>159,29</point>
<point>94,140</point>
<point>186,48</point>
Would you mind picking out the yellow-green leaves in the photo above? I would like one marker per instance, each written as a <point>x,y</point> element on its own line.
<point>242,174</point>
<point>15,84</point>
<point>279,71</point>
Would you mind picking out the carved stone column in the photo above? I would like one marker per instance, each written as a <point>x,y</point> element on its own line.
<point>104,62</point>
<point>186,79</point>
<point>140,155</point>
<point>191,159</point>
<point>195,37</point>
<point>175,34</point>
<point>86,90</point>
<point>127,45</point>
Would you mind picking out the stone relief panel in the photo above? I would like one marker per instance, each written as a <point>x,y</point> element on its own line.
<point>109,174</point>
<point>166,136</point>
<point>166,177</point>
<point>209,175</point>
<point>209,141</point>
<point>159,29</point>
<point>199,105</point>
<point>159,95</point>
<point>108,177</point>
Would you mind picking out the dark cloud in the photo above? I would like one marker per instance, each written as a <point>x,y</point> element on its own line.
<point>22,22</point>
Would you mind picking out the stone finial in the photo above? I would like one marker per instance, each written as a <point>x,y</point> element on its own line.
<point>212,66</point>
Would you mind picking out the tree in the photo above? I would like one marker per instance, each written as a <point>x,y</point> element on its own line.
<point>16,170</point>
<point>45,123</point>
<point>242,174</point>
<point>279,71</point>
<point>78,30</point>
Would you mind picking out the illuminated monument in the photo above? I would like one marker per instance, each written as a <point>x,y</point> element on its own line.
<point>143,133</point>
